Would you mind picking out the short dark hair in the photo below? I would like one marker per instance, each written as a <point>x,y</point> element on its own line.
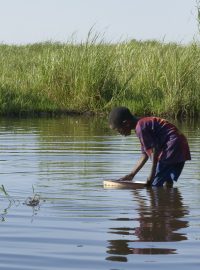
<point>118,115</point>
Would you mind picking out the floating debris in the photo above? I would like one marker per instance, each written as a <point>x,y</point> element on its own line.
<point>33,201</point>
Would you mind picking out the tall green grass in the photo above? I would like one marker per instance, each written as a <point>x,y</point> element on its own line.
<point>148,77</point>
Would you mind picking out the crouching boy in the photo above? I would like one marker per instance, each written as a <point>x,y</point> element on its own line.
<point>160,140</point>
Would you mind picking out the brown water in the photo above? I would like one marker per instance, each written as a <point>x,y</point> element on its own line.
<point>80,225</point>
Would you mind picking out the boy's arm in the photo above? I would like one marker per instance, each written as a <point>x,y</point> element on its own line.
<point>143,159</point>
<point>154,157</point>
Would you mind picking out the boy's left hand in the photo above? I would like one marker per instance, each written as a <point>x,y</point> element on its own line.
<point>149,180</point>
<point>148,183</point>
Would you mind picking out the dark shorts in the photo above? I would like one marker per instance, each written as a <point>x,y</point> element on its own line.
<point>167,173</point>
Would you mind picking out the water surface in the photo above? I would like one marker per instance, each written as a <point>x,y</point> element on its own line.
<point>78,224</point>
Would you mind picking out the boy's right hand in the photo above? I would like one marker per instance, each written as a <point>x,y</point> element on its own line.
<point>128,177</point>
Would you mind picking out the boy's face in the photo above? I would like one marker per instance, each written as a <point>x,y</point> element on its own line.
<point>125,129</point>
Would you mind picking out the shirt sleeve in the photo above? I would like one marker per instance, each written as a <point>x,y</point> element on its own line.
<point>147,141</point>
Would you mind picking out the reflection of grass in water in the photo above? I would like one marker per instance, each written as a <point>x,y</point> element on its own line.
<point>149,77</point>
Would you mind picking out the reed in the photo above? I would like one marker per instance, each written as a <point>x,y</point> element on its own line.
<point>148,77</point>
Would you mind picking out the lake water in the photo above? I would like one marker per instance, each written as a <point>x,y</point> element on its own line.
<point>78,224</point>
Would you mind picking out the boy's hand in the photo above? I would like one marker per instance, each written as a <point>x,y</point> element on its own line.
<point>149,181</point>
<point>128,177</point>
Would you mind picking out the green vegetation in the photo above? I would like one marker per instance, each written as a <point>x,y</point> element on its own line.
<point>148,77</point>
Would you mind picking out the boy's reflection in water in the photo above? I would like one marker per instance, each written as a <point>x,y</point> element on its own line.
<point>160,218</point>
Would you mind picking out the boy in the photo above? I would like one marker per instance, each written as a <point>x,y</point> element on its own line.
<point>160,140</point>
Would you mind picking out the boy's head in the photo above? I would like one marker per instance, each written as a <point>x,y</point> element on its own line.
<point>122,120</point>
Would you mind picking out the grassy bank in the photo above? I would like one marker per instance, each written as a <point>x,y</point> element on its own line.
<point>148,77</point>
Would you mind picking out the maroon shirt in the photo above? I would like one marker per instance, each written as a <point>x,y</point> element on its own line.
<point>155,132</point>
